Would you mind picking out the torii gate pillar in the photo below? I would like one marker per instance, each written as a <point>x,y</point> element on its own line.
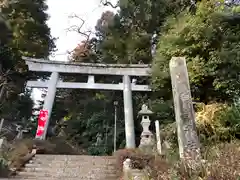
<point>49,100</point>
<point>128,112</point>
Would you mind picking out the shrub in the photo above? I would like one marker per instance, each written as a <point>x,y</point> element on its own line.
<point>97,150</point>
<point>57,145</point>
<point>222,163</point>
<point>20,148</point>
<point>13,155</point>
<point>230,119</point>
<point>218,122</point>
<point>121,155</point>
<point>155,165</point>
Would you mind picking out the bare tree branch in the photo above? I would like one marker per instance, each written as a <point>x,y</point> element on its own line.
<point>75,27</point>
<point>78,29</point>
<point>76,16</point>
<point>107,3</point>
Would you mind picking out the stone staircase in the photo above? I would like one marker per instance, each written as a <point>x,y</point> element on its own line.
<point>69,167</point>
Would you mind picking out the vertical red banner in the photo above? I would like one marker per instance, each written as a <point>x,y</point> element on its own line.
<point>42,118</point>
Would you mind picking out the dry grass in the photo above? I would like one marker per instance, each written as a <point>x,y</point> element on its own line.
<point>17,153</point>
<point>222,163</point>
<point>154,165</point>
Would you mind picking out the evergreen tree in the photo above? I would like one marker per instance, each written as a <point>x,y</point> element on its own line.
<point>30,36</point>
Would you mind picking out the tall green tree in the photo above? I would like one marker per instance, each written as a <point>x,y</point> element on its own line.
<point>209,39</point>
<point>125,37</point>
<point>30,36</point>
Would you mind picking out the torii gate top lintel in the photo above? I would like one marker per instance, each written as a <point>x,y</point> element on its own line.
<point>87,68</point>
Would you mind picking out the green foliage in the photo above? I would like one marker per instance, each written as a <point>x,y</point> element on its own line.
<point>4,169</point>
<point>125,37</point>
<point>19,108</point>
<point>5,30</point>
<point>218,122</point>
<point>24,25</point>
<point>164,110</point>
<point>210,43</point>
<point>31,35</point>
<point>92,113</point>
<point>4,157</point>
<point>97,150</point>
<point>230,119</point>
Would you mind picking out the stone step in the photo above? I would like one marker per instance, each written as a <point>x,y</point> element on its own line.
<point>35,178</point>
<point>67,165</point>
<point>59,167</point>
<point>89,161</point>
<point>49,178</point>
<point>72,157</point>
<point>67,178</point>
<point>71,163</point>
<point>96,175</point>
<point>66,169</point>
<point>92,161</point>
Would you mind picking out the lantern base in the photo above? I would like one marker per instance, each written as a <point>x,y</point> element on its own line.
<point>147,143</point>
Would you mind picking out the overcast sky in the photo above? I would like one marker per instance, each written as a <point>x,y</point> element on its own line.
<point>60,10</point>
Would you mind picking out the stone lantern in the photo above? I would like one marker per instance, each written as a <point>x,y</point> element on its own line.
<point>147,143</point>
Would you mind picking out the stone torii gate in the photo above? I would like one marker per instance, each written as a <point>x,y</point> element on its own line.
<point>124,70</point>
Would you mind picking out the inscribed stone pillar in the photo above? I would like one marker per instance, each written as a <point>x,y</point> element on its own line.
<point>184,113</point>
<point>128,113</point>
<point>49,99</point>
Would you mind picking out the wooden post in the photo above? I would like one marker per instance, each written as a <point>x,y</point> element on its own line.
<point>189,146</point>
<point>158,137</point>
